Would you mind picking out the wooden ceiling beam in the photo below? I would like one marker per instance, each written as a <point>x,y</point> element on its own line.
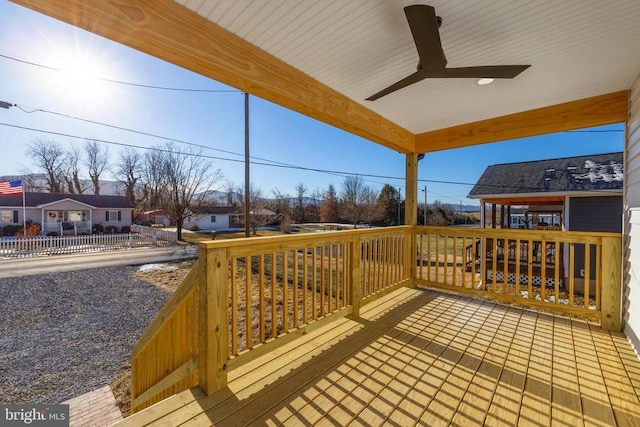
<point>169,31</point>
<point>584,113</point>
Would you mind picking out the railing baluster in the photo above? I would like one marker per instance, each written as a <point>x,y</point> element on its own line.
<point>234,306</point>
<point>274,296</point>
<point>305,289</point>
<point>262,284</point>
<point>587,274</point>
<point>248,301</point>
<point>285,292</point>
<point>572,252</point>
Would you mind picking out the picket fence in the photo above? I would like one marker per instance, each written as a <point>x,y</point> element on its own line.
<point>55,245</point>
<point>160,235</point>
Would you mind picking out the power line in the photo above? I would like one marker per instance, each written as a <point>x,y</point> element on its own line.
<point>146,86</point>
<point>34,110</point>
<point>283,166</point>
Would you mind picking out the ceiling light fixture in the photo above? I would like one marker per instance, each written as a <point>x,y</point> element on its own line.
<point>485,81</point>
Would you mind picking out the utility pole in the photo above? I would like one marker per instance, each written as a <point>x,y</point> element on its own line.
<point>247,198</point>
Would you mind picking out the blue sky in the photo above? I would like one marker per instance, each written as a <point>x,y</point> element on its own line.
<point>212,119</point>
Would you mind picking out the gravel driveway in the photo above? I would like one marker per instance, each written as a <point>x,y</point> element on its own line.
<point>65,334</point>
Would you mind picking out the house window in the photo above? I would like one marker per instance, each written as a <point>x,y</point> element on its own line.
<point>8,217</point>
<point>213,218</point>
<point>112,216</point>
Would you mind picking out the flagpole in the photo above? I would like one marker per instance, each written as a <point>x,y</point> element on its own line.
<point>24,209</point>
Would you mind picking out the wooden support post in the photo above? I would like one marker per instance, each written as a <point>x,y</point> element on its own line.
<point>411,212</point>
<point>611,283</point>
<point>213,322</point>
<point>411,190</point>
<point>356,257</point>
<point>493,215</point>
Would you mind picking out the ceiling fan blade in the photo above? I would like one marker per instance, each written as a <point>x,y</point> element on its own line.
<point>409,80</point>
<point>489,71</point>
<point>423,22</point>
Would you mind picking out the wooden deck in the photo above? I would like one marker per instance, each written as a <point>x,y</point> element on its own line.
<point>427,358</point>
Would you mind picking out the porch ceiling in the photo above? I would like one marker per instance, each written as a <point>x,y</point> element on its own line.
<point>324,58</point>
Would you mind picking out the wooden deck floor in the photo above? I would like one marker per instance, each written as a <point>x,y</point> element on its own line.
<point>427,358</point>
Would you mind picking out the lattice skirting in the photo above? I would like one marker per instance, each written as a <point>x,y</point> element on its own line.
<point>524,279</point>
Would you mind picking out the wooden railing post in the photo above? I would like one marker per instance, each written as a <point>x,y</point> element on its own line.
<point>356,257</point>
<point>411,255</point>
<point>213,321</point>
<point>611,283</point>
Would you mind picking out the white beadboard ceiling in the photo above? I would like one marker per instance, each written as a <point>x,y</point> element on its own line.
<point>576,48</point>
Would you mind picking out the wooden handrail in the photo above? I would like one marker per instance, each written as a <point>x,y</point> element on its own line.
<point>508,265</point>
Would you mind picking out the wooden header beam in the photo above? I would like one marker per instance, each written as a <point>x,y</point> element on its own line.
<point>169,31</point>
<point>515,201</point>
<point>584,113</point>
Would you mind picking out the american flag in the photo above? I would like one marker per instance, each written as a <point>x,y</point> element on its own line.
<point>10,187</point>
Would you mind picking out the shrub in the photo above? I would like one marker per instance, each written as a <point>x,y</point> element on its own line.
<point>194,227</point>
<point>125,229</point>
<point>9,230</point>
<point>52,234</point>
<point>98,229</point>
<point>110,229</point>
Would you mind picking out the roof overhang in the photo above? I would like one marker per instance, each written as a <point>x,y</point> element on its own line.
<point>51,204</point>
<point>551,198</point>
<point>315,68</point>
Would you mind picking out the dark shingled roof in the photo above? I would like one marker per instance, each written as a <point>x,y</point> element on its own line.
<point>596,172</point>
<point>36,199</point>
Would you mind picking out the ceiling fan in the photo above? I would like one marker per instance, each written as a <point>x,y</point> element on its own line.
<point>424,26</point>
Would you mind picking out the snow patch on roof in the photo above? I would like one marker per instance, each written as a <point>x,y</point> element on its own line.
<point>601,172</point>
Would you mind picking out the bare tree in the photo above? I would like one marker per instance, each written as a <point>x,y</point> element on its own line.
<point>48,157</point>
<point>128,171</point>
<point>299,214</point>
<point>353,199</point>
<point>188,177</point>
<point>96,162</point>
<point>372,210</point>
<point>153,178</point>
<point>282,208</point>
<point>72,171</point>
<point>261,211</point>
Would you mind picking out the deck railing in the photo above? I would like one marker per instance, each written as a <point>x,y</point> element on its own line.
<point>576,273</point>
<point>249,296</point>
<point>246,297</point>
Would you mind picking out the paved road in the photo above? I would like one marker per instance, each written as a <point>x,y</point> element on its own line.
<point>59,263</point>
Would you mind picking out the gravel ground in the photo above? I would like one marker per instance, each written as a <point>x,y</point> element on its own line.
<point>65,334</point>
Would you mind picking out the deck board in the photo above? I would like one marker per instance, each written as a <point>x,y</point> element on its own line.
<point>420,357</point>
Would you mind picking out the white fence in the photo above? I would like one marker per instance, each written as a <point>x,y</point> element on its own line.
<point>161,236</point>
<point>54,245</point>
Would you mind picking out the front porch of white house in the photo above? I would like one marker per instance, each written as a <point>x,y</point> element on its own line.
<point>66,222</point>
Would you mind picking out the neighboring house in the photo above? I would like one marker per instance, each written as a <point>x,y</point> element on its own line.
<point>214,218</point>
<point>225,217</point>
<point>157,217</point>
<point>582,193</point>
<point>65,214</point>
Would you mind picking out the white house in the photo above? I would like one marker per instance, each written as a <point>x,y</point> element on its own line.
<point>214,218</point>
<point>65,214</point>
